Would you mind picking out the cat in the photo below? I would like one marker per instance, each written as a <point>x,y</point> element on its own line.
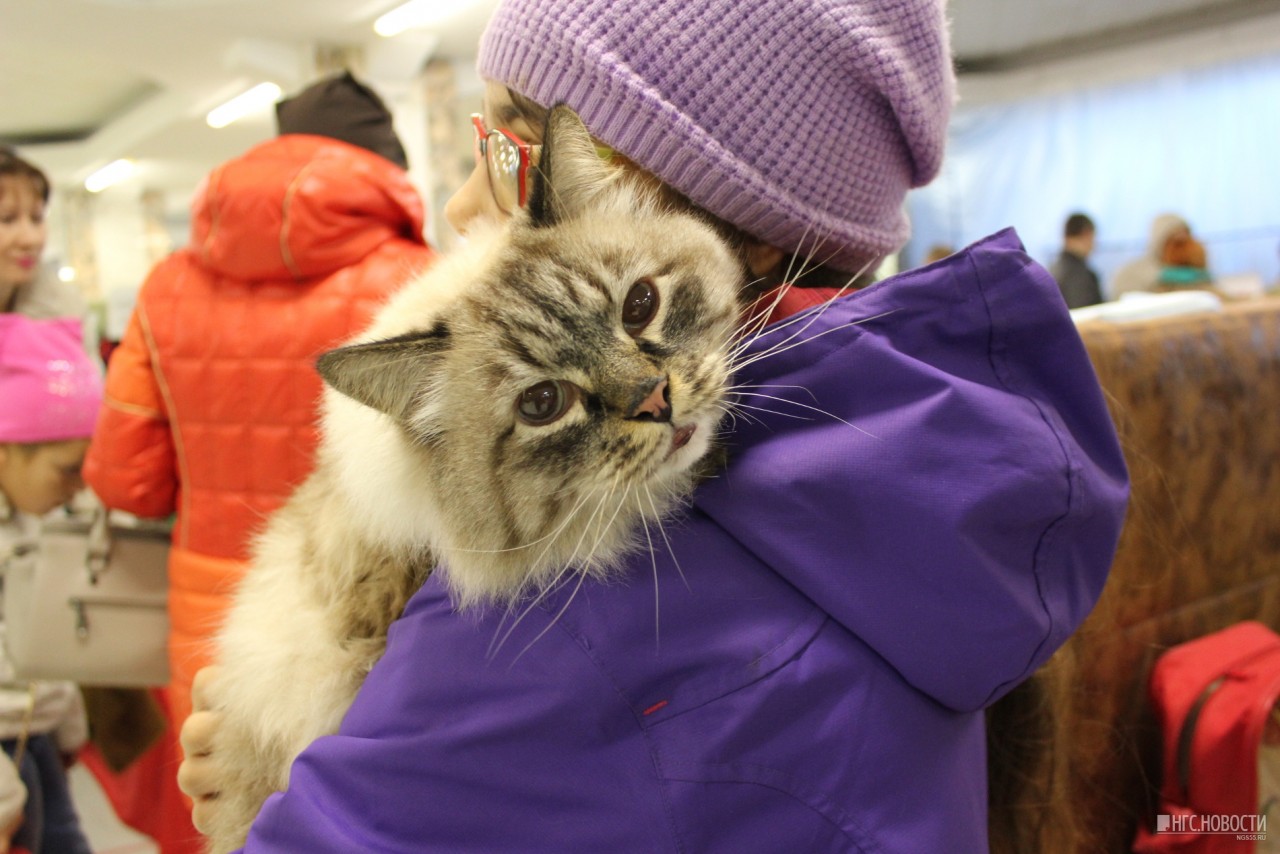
<point>516,414</point>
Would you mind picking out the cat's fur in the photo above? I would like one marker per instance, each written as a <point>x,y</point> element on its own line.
<point>424,465</point>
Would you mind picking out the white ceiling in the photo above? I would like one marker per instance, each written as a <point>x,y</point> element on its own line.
<point>88,81</point>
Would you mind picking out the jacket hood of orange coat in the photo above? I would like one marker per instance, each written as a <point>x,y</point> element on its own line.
<point>301,206</point>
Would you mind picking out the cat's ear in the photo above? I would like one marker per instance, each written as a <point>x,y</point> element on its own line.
<point>391,376</point>
<point>569,174</point>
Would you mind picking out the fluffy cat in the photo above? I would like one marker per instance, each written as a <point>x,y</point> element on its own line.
<point>516,414</point>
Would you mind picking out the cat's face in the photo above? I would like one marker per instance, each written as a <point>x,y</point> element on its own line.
<point>565,394</point>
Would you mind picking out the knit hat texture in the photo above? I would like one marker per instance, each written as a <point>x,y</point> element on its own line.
<point>803,122</point>
<point>343,108</point>
<point>50,390</point>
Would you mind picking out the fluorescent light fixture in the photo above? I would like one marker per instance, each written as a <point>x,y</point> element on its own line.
<point>258,98</point>
<point>113,173</point>
<point>415,13</point>
<point>66,273</point>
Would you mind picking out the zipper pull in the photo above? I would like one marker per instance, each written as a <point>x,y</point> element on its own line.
<point>82,618</point>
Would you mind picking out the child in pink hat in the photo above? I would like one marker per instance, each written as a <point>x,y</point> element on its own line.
<point>50,392</point>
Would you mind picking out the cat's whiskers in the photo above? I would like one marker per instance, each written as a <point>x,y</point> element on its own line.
<point>582,576</point>
<point>570,564</point>
<point>657,598</point>
<point>554,537</point>
<point>780,348</point>
<point>801,405</point>
<point>551,536</point>
<point>738,387</point>
<point>774,412</point>
<point>657,517</point>
<point>501,637</point>
<point>758,319</point>
<point>576,556</point>
<point>603,529</point>
<point>810,317</point>
<point>605,493</point>
<point>729,410</point>
<point>572,559</point>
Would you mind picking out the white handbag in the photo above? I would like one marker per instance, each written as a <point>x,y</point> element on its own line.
<point>89,603</point>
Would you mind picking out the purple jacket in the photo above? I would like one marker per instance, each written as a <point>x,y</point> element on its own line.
<point>803,668</point>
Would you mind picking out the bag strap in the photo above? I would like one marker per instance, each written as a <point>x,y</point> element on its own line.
<point>97,557</point>
<point>28,715</point>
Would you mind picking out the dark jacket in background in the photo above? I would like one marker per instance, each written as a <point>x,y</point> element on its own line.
<point>1076,279</point>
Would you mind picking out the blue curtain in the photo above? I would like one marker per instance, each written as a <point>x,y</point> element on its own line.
<point>1204,144</point>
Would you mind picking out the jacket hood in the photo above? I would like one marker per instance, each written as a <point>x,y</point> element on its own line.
<point>301,206</point>
<point>943,477</point>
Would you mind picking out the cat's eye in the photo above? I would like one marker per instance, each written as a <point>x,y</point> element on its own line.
<point>639,306</point>
<point>546,402</point>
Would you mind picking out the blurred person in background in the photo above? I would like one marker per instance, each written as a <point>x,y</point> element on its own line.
<point>1076,279</point>
<point>51,392</point>
<point>1174,259</point>
<point>24,197</point>
<point>211,396</point>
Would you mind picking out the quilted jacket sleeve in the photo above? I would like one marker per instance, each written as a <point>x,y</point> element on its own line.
<point>132,461</point>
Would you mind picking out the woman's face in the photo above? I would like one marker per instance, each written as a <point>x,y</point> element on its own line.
<point>22,232</point>
<point>473,202</point>
<point>38,480</point>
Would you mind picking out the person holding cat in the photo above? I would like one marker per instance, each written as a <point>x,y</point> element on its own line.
<point>922,498</point>
<point>211,396</point>
<point>51,392</point>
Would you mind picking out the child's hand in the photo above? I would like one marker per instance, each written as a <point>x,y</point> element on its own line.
<point>200,775</point>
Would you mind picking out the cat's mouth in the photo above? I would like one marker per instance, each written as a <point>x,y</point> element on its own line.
<point>680,438</point>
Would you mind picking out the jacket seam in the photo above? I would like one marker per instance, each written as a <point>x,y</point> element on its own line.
<point>659,777</point>
<point>286,205</point>
<point>808,627</point>
<point>215,215</point>
<point>175,430</point>
<point>865,844</point>
<point>134,409</point>
<point>1001,372</point>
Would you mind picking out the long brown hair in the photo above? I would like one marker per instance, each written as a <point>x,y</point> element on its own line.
<point>11,165</point>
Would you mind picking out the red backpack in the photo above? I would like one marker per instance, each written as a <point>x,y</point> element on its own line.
<point>1214,698</point>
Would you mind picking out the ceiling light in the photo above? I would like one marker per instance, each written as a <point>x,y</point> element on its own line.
<point>258,98</point>
<point>113,173</point>
<point>66,273</point>
<point>415,13</point>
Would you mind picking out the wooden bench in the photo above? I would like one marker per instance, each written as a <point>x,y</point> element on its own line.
<point>1074,752</point>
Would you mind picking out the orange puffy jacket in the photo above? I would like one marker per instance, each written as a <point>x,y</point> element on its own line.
<point>211,397</point>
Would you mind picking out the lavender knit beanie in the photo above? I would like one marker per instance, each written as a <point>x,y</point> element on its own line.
<point>803,122</point>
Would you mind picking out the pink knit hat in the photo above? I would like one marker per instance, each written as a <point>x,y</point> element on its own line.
<point>49,388</point>
<point>803,122</point>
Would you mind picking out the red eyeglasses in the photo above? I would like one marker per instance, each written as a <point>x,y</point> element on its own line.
<point>507,160</point>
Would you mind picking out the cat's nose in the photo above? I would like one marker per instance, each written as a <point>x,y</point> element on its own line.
<point>654,405</point>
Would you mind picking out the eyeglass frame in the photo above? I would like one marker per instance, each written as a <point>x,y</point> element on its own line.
<point>526,153</point>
